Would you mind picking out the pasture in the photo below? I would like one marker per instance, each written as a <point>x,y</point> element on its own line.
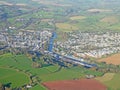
<point>38,87</point>
<point>113,84</point>
<point>16,79</point>
<point>66,27</point>
<point>106,77</point>
<point>69,74</point>
<point>21,66</point>
<point>111,80</point>
<point>110,19</point>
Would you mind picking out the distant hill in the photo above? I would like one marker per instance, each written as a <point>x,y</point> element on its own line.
<point>96,13</point>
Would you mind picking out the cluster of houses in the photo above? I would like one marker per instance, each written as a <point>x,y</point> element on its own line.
<point>33,40</point>
<point>89,44</point>
<point>78,44</point>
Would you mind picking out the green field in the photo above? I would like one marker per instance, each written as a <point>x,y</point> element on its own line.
<point>66,15</point>
<point>66,27</point>
<point>38,87</point>
<point>16,79</point>
<point>114,82</point>
<point>69,74</point>
<point>21,67</point>
<point>111,80</point>
<point>106,77</point>
<point>62,16</point>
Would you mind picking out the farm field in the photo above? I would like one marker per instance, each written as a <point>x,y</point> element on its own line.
<point>69,74</point>
<point>65,27</point>
<point>106,77</point>
<point>99,10</point>
<point>111,80</point>
<point>77,17</point>
<point>62,17</point>
<point>114,82</point>
<point>110,19</point>
<point>22,66</point>
<point>38,87</point>
<point>15,78</point>
<point>82,84</point>
<point>113,59</point>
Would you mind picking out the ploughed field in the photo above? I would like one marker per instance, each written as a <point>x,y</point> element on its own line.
<point>114,59</point>
<point>82,84</point>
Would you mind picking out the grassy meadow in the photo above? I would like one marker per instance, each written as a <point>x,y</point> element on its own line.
<point>17,69</point>
<point>16,78</point>
<point>111,80</point>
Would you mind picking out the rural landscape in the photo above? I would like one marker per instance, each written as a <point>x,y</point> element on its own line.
<point>59,44</point>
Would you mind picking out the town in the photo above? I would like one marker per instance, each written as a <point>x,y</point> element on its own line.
<point>32,40</point>
<point>78,44</point>
<point>92,44</point>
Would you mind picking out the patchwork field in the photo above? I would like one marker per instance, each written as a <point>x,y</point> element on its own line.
<point>5,3</point>
<point>77,17</point>
<point>99,10</point>
<point>111,19</point>
<point>114,59</point>
<point>38,87</point>
<point>83,84</point>
<point>16,79</point>
<point>111,80</point>
<point>46,2</point>
<point>21,4</point>
<point>106,77</point>
<point>66,27</point>
<point>113,84</point>
<point>21,66</point>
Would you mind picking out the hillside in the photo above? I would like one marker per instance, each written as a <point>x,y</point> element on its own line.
<point>44,43</point>
<point>36,12</point>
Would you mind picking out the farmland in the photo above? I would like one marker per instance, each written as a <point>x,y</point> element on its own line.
<point>77,17</point>
<point>83,84</point>
<point>16,79</point>
<point>111,19</point>
<point>113,59</point>
<point>110,80</point>
<point>99,10</point>
<point>21,66</point>
<point>65,27</point>
<point>113,83</point>
<point>82,26</point>
<point>106,77</point>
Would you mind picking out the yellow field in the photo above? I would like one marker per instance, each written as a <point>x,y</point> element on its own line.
<point>50,2</point>
<point>5,3</point>
<point>111,80</point>
<point>106,77</point>
<point>114,59</point>
<point>77,17</point>
<point>99,10</point>
<point>111,19</point>
<point>66,27</point>
<point>10,4</point>
<point>21,4</point>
